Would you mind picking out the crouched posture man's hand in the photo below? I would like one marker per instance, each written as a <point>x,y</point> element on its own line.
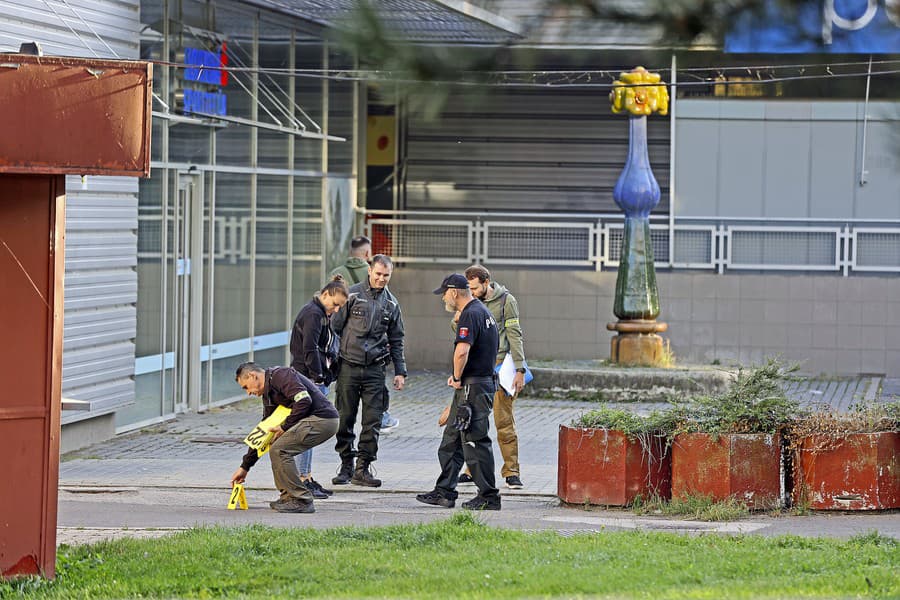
<point>239,476</point>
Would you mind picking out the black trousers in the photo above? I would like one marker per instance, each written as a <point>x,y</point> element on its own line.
<point>472,447</point>
<point>359,387</point>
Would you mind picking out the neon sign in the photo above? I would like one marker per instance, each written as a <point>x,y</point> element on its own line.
<point>204,68</point>
<point>210,103</point>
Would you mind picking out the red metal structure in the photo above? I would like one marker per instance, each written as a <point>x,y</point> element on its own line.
<point>57,116</point>
<point>745,466</point>
<point>606,467</point>
<point>859,471</point>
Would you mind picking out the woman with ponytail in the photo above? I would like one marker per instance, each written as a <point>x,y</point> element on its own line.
<point>314,354</point>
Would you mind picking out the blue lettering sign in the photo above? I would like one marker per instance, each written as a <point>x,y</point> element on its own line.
<point>203,66</point>
<point>819,26</point>
<point>209,103</point>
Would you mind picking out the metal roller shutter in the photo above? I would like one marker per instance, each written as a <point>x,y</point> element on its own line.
<point>526,150</point>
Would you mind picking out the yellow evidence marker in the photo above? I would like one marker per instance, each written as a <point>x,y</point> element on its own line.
<point>260,438</point>
<point>238,497</point>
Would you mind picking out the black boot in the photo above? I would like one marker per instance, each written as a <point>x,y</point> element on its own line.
<point>362,475</point>
<point>344,475</point>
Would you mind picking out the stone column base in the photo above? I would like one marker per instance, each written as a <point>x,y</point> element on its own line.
<point>637,343</point>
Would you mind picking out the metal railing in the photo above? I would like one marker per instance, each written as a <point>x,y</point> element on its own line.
<point>568,240</point>
<point>594,241</point>
<point>232,237</point>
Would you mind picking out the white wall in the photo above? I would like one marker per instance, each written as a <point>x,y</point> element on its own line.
<point>782,158</point>
<point>833,324</point>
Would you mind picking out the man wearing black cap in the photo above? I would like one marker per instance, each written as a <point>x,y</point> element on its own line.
<point>472,376</point>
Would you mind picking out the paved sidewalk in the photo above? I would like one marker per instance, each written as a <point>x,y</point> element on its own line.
<point>203,450</point>
<point>176,475</point>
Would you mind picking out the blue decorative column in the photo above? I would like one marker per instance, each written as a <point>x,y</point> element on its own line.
<point>637,193</point>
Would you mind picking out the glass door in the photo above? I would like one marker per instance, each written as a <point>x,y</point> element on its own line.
<point>184,320</point>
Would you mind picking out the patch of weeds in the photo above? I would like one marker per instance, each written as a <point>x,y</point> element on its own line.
<point>613,418</point>
<point>892,411</point>
<point>801,507</point>
<point>667,359</point>
<point>657,422</point>
<point>827,428</point>
<point>694,507</point>
<point>873,538</point>
<point>654,431</point>
<point>754,403</point>
<point>652,505</point>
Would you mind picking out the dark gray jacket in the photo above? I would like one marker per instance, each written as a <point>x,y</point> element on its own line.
<point>371,328</point>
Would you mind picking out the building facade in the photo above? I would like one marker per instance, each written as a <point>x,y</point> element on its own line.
<point>173,280</point>
<point>778,230</point>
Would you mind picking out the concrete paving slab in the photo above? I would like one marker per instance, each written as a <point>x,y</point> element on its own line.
<point>176,475</point>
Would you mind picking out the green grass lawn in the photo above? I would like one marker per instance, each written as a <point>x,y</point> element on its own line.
<point>462,558</point>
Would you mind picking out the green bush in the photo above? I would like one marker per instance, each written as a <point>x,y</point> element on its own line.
<point>755,403</point>
<point>631,424</point>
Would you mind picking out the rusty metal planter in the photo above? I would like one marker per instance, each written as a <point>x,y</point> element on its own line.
<point>861,471</point>
<point>602,466</point>
<point>744,466</point>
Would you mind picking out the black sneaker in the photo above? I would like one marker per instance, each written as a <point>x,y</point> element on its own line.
<point>466,478</point>
<point>315,489</point>
<point>279,501</point>
<point>294,506</point>
<point>344,475</point>
<point>363,476</point>
<point>436,499</point>
<point>319,487</point>
<point>514,483</point>
<point>481,503</point>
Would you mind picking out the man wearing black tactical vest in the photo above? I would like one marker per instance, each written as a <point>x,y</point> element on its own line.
<point>465,437</point>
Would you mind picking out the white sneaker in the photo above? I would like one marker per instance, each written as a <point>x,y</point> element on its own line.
<point>388,423</point>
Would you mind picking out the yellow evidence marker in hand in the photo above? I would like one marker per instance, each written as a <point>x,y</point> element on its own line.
<point>260,438</point>
<point>238,497</point>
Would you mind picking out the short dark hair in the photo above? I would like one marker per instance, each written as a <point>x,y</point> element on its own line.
<point>337,285</point>
<point>478,272</point>
<point>383,259</point>
<point>245,369</point>
<point>360,241</point>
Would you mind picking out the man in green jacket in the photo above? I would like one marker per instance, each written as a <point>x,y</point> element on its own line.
<point>356,267</point>
<point>354,270</point>
<point>505,309</point>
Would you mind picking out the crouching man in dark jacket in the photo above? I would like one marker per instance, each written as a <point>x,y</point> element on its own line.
<point>312,421</point>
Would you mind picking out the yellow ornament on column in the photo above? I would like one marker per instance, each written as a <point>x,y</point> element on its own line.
<point>640,93</point>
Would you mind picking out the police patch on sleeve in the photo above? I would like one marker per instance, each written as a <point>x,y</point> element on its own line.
<point>463,332</point>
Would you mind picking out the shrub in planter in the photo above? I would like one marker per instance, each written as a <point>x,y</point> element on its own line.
<point>730,445</point>
<point>612,456</point>
<point>848,461</point>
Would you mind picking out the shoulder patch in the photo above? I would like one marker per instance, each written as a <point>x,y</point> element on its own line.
<point>463,332</point>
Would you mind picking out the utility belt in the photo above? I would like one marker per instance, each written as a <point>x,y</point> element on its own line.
<point>489,379</point>
<point>378,362</point>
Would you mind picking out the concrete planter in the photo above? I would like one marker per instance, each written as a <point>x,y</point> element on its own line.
<point>860,471</point>
<point>606,467</point>
<point>745,466</point>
